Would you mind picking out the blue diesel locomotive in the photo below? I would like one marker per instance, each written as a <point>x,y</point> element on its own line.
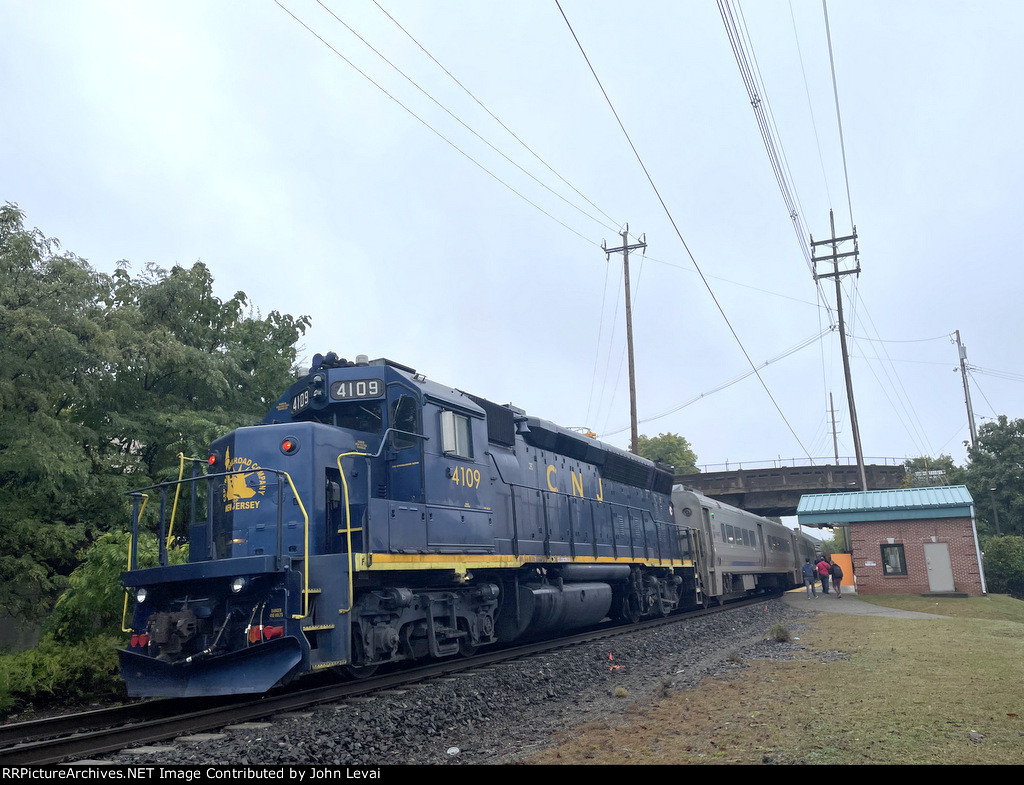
<point>376,516</point>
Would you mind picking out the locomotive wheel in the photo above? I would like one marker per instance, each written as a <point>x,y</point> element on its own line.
<point>629,608</point>
<point>358,672</point>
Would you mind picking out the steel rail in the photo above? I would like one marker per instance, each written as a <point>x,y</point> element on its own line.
<point>109,730</point>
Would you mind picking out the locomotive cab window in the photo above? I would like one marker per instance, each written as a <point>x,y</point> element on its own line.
<point>456,435</point>
<point>365,416</point>
<point>405,417</point>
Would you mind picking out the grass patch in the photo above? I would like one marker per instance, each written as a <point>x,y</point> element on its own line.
<point>913,691</point>
<point>997,607</point>
<point>779,633</point>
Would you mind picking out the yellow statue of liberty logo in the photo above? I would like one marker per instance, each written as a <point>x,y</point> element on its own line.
<point>237,487</point>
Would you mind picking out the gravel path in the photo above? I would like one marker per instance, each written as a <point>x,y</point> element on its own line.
<point>497,714</point>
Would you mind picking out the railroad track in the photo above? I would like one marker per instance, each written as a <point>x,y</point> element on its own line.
<point>74,736</point>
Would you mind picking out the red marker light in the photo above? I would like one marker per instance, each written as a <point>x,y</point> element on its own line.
<point>287,445</point>
<point>213,459</point>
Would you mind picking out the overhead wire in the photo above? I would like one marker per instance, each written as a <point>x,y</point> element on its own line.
<point>432,129</point>
<point>459,120</point>
<point>735,380</point>
<point>839,116</point>
<point>470,130</point>
<point>675,227</point>
<point>512,133</point>
<point>526,147</point>
<point>746,60</point>
<point>978,388</point>
<point>1005,375</point>
<point>810,105</point>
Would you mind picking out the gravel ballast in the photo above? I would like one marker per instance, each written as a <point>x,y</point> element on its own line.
<point>497,714</point>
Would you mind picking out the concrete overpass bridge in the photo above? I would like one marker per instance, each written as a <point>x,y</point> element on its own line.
<point>771,488</point>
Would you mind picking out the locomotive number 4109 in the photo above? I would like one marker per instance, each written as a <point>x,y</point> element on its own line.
<point>462,476</point>
<point>347,390</point>
<point>357,388</point>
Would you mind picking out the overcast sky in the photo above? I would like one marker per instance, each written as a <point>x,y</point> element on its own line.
<point>227,132</point>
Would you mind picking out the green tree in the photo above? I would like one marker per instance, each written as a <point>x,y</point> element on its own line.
<point>54,349</point>
<point>995,473</point>
<point>1003,560</point>
<point>670,449</point>
<point>103,381</point>
<point>189,366</point>
<point>94,601</point>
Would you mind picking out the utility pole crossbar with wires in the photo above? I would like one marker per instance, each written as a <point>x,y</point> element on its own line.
<point>834,257</point>
<point>624,250</point>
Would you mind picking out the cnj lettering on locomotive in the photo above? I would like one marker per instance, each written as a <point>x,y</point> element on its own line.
<point>577,483</point>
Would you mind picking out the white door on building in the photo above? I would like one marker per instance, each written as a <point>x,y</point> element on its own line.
<point>940,568</point>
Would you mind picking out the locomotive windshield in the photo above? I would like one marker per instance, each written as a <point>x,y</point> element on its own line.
<point>365,416</point>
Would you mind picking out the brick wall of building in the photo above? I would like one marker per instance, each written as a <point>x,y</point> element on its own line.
<point>867,539</point>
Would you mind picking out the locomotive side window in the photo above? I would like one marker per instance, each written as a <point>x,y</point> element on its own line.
<point>455,435</point>
<point>404,417</point>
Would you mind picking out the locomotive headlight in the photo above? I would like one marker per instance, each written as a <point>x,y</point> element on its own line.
<point>141,595</point>
<point>238,584</point>
<point>319,382</point>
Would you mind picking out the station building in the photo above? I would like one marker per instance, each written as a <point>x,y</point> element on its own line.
<point>905,540</point>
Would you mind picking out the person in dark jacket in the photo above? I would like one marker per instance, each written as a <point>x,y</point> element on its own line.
<point>824,570</point>
<point>837,578</point>
<point>809,578</point>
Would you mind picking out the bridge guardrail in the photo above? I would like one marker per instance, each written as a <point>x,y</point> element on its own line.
<point>785,463</point>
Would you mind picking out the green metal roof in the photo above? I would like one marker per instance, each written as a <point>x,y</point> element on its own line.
<point>945,501</point>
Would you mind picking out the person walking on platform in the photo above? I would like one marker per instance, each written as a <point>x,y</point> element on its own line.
<point>809,577</point>
<point>837,578</point>
<point>824,568</point>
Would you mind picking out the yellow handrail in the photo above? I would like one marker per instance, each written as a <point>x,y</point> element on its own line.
<point>177,490</point>
<point>348,526</point>
<point>305,560</point>
<point>124,611</point>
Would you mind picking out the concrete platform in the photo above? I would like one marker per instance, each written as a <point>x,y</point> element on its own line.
<point>849,604</point>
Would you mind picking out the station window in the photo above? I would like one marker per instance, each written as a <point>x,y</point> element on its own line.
<point>893,562</point>
<point>455,435</point>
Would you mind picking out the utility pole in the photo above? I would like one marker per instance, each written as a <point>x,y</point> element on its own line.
<point>834,257</point>
<point>835,438</point>
<point>962,350</point>
<point>624,250</point>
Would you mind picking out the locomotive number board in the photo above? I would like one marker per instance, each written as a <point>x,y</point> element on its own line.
<point>357,388</point>
<point>348,390</point>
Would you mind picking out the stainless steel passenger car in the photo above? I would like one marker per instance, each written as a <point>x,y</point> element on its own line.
<point>742,553</point>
